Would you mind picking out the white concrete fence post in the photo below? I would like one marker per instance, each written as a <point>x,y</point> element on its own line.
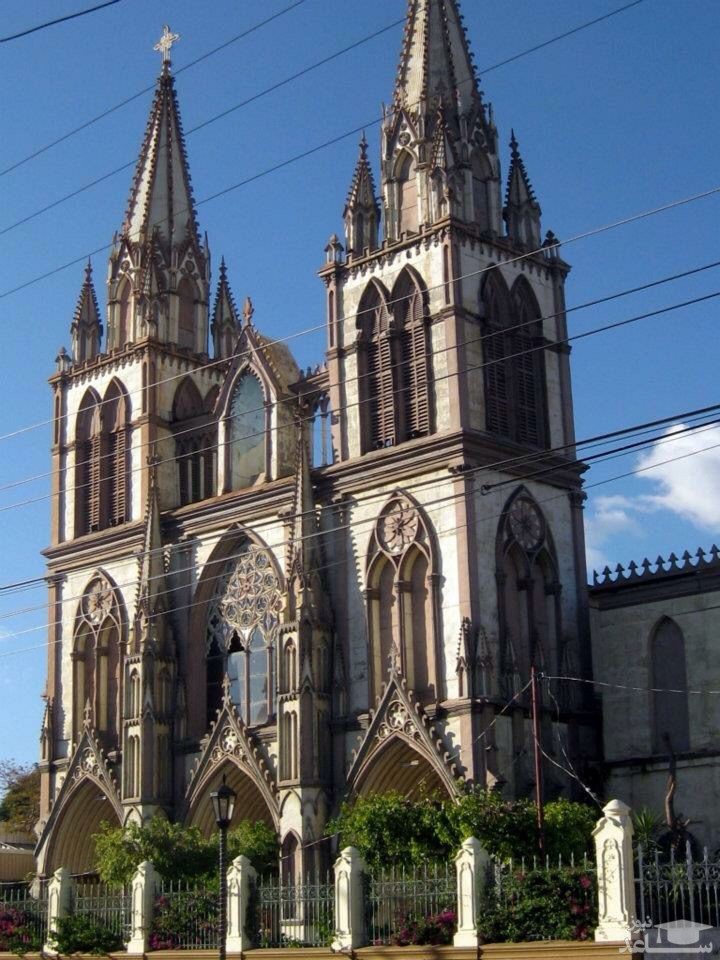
<point>471,864</point>
<point>615,873</point>
<point>349,901</point>
<point>142,902</point>
<point>59,900</point>
<point>240,882</point>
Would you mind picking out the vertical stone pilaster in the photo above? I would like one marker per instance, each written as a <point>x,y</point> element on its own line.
<point>349,903</point>
<point>144,885</point>
<point>240,880</point>
<point>59,897</point>
<point>616,884</point>
<point>471,865</point>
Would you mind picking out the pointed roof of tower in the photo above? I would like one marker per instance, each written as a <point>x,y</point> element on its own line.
<point>225,306</point>
<point>362,189</point>
<point>435,59</point>
<point>87,312</point>
<point>519,189</point>
<point>161,195</point>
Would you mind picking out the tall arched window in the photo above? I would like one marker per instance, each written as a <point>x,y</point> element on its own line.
<point>376,369</point>
<point>97,656</point>
<point>246,454</point>
<point>241,631</point>
<point>115,457</point>
<point>413,374</point>
<point>408,214</point>
<point>88,444</point>
<point>186,314</point>
<point>514,364</point>
<point>528,592</point>
<point>195,444</point>
<point>481,186</point>
<point>321,446</point>
<point>670,717</point>
<point>124,314</point>
<point>403,603</point>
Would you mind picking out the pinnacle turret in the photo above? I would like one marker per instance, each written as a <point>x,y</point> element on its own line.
<point>362,210</point>
<point>522,210</point>
<point>225,327</point>
<point>86,328</point>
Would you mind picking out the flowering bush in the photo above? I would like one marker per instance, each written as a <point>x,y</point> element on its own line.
<point>187,919</point>
<point>435,930</point>
<point>19,930</point>
<point>547,904</point>
<point>85,933</point>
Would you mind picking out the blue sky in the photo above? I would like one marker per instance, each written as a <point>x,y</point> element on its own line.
<point>616,120</point>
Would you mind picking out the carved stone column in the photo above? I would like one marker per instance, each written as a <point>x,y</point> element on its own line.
<point>144,885</point>
<point>240,880</point>
<point>471,865</point>
<point>616,884</point>
<point>349,905</point>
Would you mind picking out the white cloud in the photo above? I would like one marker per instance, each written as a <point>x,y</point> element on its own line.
<point>689,486</point>
<point>684,472</point>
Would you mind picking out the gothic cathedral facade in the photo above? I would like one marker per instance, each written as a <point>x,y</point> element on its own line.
<point>325,584</point>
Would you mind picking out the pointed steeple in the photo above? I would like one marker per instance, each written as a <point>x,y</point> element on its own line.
<point>161,195</point>
<point>152,590</point>
<point>435,61</point>
<point>86,327</point>
<point>440,155</point>
<point>304,559</point>
<point>158,282</point>
<point>362,210</point>
<point>522,210</point>
<point>225,327</point>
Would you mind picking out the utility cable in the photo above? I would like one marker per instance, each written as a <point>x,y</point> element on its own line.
<point>52,23</point>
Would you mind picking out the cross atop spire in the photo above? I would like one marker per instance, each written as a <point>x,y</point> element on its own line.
<point>164,44</point>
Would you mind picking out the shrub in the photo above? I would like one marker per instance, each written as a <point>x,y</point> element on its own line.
<point>435,930</point>
<point>187,919</point>
<point>85,933</point>
<point>553,904</point>
<point>19,930</point>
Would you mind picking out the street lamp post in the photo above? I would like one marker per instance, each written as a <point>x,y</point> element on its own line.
<point>223,801</point>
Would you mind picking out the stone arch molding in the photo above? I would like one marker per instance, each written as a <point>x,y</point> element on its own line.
<point>229,742</point>
<point>398,717</point>
<point>88,766</point>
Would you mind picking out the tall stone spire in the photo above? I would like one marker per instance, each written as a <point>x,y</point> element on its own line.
<point>522,211</point>
<point>362,211</point>
<point>440,156</point>
<point>152,590</point>
<point>86,328</point>
<point>159,269</point>
<point>225,327</point>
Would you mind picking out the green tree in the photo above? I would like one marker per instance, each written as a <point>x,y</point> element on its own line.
<point>20,789</point>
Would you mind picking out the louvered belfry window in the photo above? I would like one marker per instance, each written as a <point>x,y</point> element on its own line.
<point>414,371</point>
<point>114,461</point>
<point>87,465</point>
<point>513,363</point>
<point>376,374</point>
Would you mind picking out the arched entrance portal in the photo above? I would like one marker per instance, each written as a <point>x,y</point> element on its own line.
<point>73,844</point>
<point>398,766</point>
<point>249,805</point>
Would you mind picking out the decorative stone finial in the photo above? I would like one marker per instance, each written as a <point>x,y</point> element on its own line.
<point>248,311</point>
<point>164,44</point>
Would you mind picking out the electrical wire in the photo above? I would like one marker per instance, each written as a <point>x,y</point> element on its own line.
<point>52,23</point>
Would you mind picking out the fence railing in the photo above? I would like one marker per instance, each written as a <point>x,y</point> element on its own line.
<point>109,905</point>
<point>672,887</point>
<point>294,915</point>
<point>412,905</point>
<point>23,918</point>
<point>185,917</point>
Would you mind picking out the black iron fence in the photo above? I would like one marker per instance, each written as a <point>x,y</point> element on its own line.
<point>415,905</point>
<point>677,887</point>
<point>23,917</point>
<point>109,906</point>
<point>293,914</point>
<point>185,917</point>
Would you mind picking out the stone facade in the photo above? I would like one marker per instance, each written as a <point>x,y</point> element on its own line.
<point>325,584</point>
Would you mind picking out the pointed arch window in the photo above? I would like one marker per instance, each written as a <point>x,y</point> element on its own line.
<point>195,443</point>
<point>115,457</point>
<point>407,194</point>
<point>514,363</point>
<point>97,662</point>
<point>88,444</point>
<point>186,314</point>
<point>322,447</point>
<point>403,602</point>
<point>241,632</point>
<point>528,593</point>
<point>413,375</point>
<point>247,439</point>
<point>124,314</point>
<point>376,349</point>
<point>670,715</point>
<point>102,461</point>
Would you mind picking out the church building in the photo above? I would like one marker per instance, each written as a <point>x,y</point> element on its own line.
<point>326,584</point>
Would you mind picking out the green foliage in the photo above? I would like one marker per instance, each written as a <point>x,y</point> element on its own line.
<point>85,933</point>
<point>554,904</point>
<point>648,828</point>
<point>435,930</point>
<point>187,919</point>
<point>178,852</point>
<point>20,788</point>
<point>20,930</point>
<point>388,828</point>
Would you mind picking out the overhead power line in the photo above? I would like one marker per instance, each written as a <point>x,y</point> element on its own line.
<point>52,23</point>
<point>450,497</point>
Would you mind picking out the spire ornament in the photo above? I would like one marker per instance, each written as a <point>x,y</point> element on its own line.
<point>164,44</point>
